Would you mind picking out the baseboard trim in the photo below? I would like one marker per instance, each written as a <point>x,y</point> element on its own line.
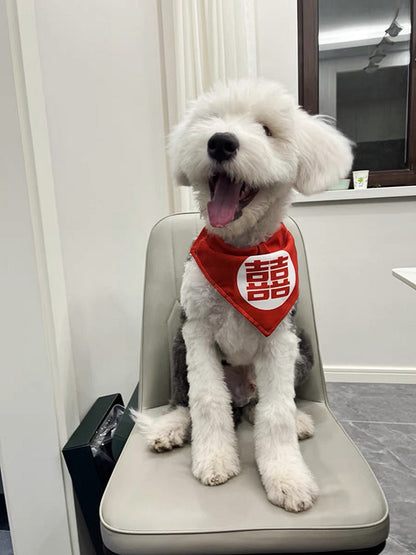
<point>371,374</point>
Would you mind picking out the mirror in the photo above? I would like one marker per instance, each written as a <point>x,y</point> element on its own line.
<point>364,56</point>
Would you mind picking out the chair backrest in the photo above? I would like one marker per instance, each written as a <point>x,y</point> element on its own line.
<point>167,250</point>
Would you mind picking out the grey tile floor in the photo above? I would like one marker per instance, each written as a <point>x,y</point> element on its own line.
<point>381,419</point>
<point>5,543</point>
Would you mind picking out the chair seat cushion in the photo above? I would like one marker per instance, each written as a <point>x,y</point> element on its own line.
<point>153,504</point>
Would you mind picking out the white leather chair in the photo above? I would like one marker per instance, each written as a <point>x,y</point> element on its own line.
<point>153,504</point>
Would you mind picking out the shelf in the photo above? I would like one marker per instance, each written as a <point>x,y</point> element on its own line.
<point>357,194</point>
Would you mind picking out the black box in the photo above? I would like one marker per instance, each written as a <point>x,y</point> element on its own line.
<point>87,480</point>
<point>125,426</point>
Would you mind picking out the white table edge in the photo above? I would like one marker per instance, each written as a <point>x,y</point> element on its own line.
<point>407,275</point>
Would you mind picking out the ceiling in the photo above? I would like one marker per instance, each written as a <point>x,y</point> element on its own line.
<point>336,15</point>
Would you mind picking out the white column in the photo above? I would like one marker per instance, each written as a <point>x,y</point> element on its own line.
<point>38,403</point>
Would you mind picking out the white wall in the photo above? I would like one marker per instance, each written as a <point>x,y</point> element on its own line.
<point>102,82</point>
<point>32,421</point>
<point>366,318</point>
<point>364,315</point>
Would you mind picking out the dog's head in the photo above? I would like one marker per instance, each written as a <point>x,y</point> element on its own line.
<point>243,146</point>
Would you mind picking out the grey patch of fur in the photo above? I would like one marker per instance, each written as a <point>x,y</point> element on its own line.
<point>304,361</point>
<point>237,414</point>
<point>293,310</point>
<point>180,385</point>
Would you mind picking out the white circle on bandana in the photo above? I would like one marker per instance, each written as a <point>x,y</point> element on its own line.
<point>266,281</point>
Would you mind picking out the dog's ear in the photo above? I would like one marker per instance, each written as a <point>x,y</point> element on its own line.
<point>174,153</point>
<point>325,154</point>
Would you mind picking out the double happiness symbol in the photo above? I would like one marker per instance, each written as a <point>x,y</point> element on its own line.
<point>266,281</point>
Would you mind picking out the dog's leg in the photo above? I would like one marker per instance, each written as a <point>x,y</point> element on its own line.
<point>214,444</point>
<point>166,431</point>
<point>304,423</point>
<point>285,476</point>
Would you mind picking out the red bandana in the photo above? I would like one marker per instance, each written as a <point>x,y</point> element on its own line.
<point>261,282</point>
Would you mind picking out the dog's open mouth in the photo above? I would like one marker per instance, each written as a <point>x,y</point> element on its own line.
<point>228,198</point>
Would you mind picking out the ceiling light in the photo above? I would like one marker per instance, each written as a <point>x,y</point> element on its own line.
<point>394,29</point>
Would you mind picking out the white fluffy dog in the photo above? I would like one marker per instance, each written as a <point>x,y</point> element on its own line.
<point>243,147</point>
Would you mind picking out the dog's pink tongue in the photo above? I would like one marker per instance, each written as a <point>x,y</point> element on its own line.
<point>224,203</point>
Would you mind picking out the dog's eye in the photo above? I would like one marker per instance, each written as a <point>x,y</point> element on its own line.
<point>267,131</point>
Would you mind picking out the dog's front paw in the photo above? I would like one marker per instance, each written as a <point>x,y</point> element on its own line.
<point>304,425</point>
<point>165,432</point>
<point>216,468</point>
<point>166,439</point>
<point>293,491</point>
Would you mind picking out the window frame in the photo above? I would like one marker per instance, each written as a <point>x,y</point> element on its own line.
<point>308,63</point>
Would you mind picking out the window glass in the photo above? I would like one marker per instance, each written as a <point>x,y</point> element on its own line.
<point>364,56</point>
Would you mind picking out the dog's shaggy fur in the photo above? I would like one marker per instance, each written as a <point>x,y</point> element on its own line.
<point>278,147</point>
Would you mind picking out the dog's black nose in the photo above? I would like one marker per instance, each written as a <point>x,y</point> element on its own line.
<point>222,146</point>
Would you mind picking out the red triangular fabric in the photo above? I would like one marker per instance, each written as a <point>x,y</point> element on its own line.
<point>261,282</point>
